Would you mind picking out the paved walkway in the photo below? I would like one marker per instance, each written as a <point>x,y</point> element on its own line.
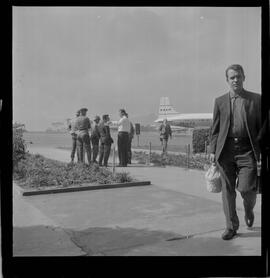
<point>173,216</point>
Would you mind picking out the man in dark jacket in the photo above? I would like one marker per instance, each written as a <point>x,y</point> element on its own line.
<point>165,132</point>
<point>234,147</point>
<point>130,137</point>
<point>105,140</point>
<point>95,138</point>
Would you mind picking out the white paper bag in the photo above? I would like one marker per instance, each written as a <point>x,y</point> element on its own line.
<point>212,178</point>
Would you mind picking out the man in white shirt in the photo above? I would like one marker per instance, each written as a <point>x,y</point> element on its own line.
<point>72,130</point>
<point>123,138</point>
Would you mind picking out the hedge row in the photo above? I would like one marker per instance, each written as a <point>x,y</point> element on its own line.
<point>197,161</point>
<point>200,136</point>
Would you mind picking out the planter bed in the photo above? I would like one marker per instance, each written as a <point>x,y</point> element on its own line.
<point>36,174</point>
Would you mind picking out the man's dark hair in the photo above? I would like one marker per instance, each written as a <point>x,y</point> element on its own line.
<point>235,67</point>
<point>105,117</point>
<point>123,111</point>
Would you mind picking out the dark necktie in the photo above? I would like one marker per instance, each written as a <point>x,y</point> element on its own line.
<point>233,103</point>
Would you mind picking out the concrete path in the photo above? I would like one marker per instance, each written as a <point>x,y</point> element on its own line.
<point>173,216</point>
<point>35,234</point>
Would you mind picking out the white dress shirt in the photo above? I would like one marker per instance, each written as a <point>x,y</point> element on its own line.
<point>124,124</point>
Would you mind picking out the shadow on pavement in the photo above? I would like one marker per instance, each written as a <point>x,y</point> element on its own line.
<point>254,232</point>
<point>116,241</point>
<point>43,240</point>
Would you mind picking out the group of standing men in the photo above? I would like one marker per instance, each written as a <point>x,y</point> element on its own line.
<point>99,136</point>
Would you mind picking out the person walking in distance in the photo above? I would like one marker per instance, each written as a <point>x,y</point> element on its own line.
<point>105,141</point>
<point>234,148</point>
<point>131,135</point>
<point>123,138</point>
<point>83,126</point>
<point>73,132</point>
<point>165,133</point>
<point>95,138</point>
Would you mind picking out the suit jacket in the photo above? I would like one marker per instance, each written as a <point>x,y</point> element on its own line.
<point>221,121</point>
<point>95,135</point>
<point>105,135</point>
<point>165,131</point>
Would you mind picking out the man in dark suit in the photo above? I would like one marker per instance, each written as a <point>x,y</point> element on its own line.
<point>95,138</point>
<point>234,147</point>
<point>105,140</point>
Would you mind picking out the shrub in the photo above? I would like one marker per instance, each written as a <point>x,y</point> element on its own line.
<point>199,137</point>
<point>123,177</point>
<point>19,146</point>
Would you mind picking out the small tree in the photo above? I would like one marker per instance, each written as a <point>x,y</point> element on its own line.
<point>19,146</point>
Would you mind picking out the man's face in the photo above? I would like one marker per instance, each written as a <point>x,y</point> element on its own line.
<point>235,80</point>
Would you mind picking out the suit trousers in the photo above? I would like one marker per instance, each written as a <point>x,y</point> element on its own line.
<point>95,151</point>
<point>84,141</point>
<point>122,143</point>
<point>104,153</point>
<point>238,171</point>
<point>164,143</point>
<point>129,150</point>
<point>74,147</point>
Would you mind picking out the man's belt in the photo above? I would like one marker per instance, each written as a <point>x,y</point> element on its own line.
<point>236,140</point>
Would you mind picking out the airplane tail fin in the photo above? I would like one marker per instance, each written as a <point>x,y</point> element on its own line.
<point>165,108</point>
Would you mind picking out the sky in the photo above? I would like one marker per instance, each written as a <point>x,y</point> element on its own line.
<point>107,58</point>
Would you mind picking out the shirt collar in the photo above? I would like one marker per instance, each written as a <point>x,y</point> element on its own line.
<point>233,95</point>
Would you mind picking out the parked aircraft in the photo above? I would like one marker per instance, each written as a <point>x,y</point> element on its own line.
<point>177,119</point>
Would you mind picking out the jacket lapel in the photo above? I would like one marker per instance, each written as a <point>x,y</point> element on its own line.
<point>228,106</point>
<point>245,109</point>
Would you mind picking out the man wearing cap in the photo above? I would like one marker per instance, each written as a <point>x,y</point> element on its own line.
<point>83,125</point>
<point>234,147</point>
<point>95,138</point>
<point>105,141</point>
<point>123,138</point>
<point>73,132</point>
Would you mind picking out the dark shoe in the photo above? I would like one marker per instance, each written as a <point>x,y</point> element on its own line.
<point>228,234</point>
<point>249,220</point>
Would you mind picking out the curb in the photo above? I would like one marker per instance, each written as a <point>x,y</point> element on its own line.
<point>83,188</point>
